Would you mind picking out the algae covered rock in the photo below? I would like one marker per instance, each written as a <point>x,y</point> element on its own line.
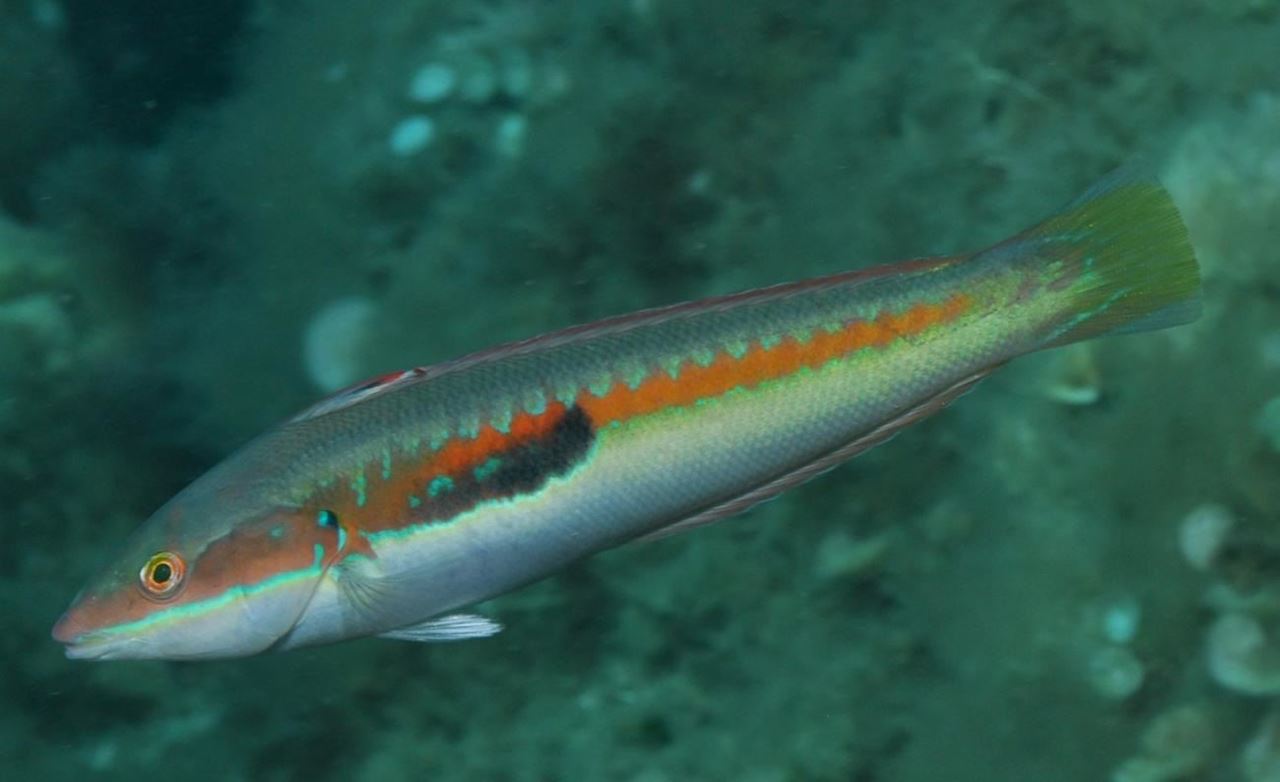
<point>52,313</point>
<point>35,327</point>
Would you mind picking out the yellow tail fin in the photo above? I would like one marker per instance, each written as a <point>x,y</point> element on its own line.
<point>1138,270</point>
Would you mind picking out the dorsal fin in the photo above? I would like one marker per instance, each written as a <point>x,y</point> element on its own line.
<point>613,325</point>
<point>359,392</point>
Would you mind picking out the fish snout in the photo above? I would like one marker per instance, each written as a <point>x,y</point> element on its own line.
<point>74,631</point>
<point>68,628</point>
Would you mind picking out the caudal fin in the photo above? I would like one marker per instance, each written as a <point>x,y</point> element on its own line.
<point>1136,271</point>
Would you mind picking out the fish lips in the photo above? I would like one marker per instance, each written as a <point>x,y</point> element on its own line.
<point>82,645</point>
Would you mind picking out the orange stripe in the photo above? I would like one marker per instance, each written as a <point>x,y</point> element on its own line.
<point>759,364</point>
<point>460,454</point>
<point>657,392</point>
<point>387,504</point>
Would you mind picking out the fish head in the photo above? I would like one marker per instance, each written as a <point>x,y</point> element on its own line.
<point>211,574</point>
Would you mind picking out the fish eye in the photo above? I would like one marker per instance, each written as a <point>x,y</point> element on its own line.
<point>162,575</point>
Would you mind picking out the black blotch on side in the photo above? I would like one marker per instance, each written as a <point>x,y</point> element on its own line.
<point>522,469</point>
<point>527,468</point>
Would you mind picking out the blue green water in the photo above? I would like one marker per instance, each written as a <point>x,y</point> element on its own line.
<point>211,213</point>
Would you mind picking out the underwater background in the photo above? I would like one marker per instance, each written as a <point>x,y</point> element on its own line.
<point>213,213</point>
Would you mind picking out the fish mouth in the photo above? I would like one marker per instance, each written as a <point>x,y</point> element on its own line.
<point>87,651</point>
<point>81,645</point>
<point>91,646</point>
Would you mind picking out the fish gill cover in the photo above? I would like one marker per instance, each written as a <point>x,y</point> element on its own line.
<point>211,213</point>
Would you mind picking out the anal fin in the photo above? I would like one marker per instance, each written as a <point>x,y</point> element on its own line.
<point>864,442</point>
<point>455,627</point>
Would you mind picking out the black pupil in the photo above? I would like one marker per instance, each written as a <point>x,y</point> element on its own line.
<point>161,573</point>
<point>328,518</point>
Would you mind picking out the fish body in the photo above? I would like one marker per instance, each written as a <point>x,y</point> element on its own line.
<point>402,500</point>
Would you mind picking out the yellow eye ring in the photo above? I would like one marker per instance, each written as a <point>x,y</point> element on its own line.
<point>162,575</point>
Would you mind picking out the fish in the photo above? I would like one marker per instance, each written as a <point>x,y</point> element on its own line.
<point>392,507</point>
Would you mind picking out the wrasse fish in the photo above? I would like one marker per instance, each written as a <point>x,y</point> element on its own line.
<point>391,506</point>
